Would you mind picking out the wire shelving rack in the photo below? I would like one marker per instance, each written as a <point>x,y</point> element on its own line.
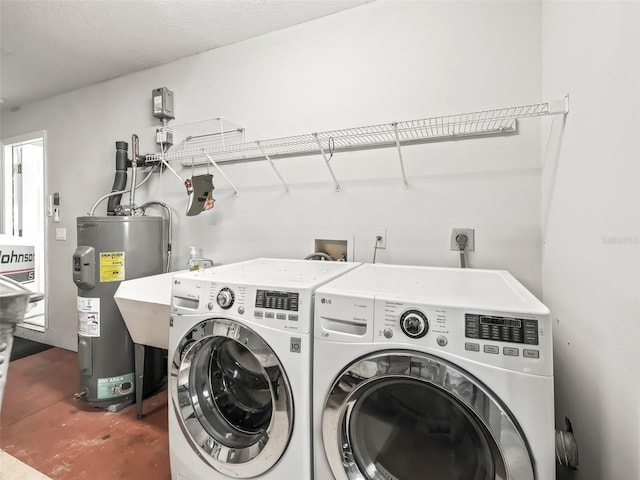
<point>220,142</point>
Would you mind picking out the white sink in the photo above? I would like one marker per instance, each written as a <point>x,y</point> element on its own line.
<point>145,306</point>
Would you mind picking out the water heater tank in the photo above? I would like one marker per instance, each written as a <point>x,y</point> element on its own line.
<point>110,250</point>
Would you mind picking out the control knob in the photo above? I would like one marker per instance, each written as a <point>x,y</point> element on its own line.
<point>225,298</point>
<point>414,324</point>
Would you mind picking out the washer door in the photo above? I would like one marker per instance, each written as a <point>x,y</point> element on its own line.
<point>411,416</point>
<point>232,398</point>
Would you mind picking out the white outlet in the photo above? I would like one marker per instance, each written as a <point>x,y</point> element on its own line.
<point>471,241</point>
<point>381,238</point>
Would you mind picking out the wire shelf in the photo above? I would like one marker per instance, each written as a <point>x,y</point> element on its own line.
<point>217,139</point>
<point>201,135</point>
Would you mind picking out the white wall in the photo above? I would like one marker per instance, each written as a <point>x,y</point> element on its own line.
<point>382,62</point>
<point>592,249</point>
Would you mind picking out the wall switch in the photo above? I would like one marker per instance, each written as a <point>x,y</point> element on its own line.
<point>61,233</point>
<point>471,241</point>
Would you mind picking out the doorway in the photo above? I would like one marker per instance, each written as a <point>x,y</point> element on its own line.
<point>22,219</point>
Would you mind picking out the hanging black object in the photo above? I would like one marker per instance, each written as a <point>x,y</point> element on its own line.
<point>200,190</point>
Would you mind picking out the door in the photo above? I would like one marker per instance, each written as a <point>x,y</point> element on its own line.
<point>22,226</point>
<point>232,398</point>
<point>409,416</point>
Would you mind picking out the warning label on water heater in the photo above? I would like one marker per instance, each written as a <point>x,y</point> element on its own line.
<point>111,266</point>
<point>89,317</point>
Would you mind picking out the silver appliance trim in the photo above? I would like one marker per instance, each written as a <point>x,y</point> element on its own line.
<point>235,450</point>
<point>510,452</point>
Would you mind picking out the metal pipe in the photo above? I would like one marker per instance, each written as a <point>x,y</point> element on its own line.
<point>121,192</point>
<point>170,227</point>
<point>135,153</point>
<point>120,179</point>
<point>79,395</point>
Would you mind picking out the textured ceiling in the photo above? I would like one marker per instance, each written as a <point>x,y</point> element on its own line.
<point>50,47</point>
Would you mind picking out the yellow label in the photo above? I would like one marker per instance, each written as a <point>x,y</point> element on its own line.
<point>111,266</point>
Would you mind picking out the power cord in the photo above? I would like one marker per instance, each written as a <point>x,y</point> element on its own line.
<point>375,247</point>
<point>461,240</point>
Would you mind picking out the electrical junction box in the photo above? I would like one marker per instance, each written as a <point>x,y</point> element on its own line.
<point>163,103</point>
<point>164,137</point>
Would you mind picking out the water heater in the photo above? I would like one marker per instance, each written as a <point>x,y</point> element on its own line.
<point>112,249</point>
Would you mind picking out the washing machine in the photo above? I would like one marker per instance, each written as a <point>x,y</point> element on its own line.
<point>240,351</point>
<point>432,373</point>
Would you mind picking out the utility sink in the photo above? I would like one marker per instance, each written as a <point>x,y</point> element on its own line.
<point>145,307</point>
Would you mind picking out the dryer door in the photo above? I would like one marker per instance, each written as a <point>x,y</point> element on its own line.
<point>232,398</point>
<point>410,416</point>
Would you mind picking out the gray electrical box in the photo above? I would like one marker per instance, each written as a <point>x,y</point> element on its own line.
<point>163,103</point>
<point>84,267</point>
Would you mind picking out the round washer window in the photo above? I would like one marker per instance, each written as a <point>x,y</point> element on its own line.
<point>232,398</point>
<point>230,392</point>
<point>405,415</point>
<point>407,429</point>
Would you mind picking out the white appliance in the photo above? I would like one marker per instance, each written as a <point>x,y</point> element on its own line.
<point>240,350</point>
<point>432,373</point>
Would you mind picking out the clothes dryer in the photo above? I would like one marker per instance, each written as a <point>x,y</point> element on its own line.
<point>239,369</point>
<point>432,373</point>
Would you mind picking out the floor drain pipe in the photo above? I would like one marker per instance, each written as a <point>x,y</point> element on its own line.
<point>567,447</point>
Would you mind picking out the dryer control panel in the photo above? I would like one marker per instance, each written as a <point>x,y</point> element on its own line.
<point>504,329</point>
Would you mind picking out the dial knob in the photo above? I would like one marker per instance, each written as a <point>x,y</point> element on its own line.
<point>225,298</point>
<point>414,324</point>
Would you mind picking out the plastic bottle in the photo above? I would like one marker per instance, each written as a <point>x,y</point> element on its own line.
<point>196,263</point>
<point>193,263</point>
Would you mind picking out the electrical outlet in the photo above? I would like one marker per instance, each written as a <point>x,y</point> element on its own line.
<point>381,238</point>
<point>471,241</point>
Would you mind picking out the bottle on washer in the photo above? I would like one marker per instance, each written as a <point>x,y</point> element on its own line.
<point>196,263</point>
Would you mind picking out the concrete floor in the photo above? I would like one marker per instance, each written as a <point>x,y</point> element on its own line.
<point>43,427</point>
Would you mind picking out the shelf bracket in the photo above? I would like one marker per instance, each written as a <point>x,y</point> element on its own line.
<point>286,187</point>
<point>171,169</point>
<point>217,167</point>
<point>326,161</point>
<point>404,176</point>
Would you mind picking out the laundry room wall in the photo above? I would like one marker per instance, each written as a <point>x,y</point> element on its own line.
<point>592,245</point>
<point>382,62</point>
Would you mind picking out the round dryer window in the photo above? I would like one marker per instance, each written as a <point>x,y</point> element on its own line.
<point>410,416</point>
<point>232,398</point>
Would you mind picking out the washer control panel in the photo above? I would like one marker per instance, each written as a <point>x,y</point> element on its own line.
<point>277,300</point>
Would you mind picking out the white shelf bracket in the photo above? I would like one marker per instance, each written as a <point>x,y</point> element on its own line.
<point>560,106</point>
<point>395,131</point>
<point>286,187</point>
<point>217,167</point>
<point>326,161</point>
<point>171,169</point>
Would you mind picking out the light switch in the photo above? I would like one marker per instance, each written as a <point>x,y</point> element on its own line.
<point>61,233</point>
